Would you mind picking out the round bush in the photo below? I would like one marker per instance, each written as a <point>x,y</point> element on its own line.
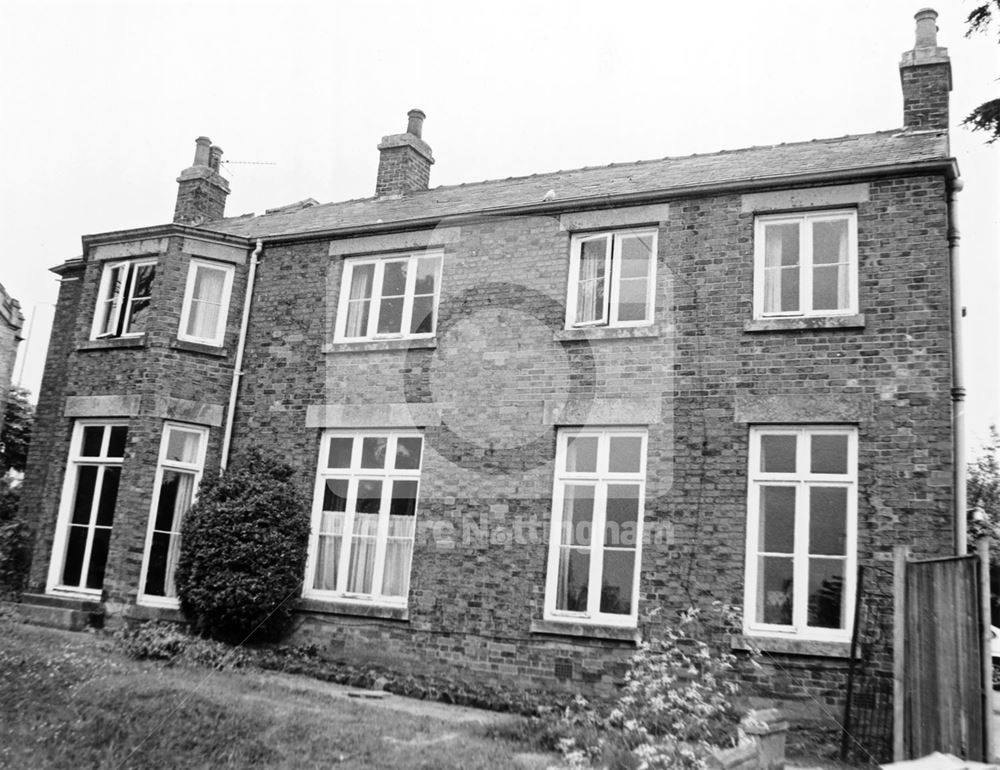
<point>243,551</point>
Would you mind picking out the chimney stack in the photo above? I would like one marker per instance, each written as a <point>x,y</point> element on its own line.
<point>404,163</point>
<point>925,73</point>
<point>201,190</point>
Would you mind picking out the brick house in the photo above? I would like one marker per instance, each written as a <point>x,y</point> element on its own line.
<point>739,367</point>
<point>11,323</point>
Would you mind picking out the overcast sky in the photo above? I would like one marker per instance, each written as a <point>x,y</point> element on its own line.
<point>102,102</point>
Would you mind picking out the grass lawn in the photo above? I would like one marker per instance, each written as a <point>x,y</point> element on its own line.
<point>72,701</point>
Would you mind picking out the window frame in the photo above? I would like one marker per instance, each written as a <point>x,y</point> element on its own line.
<point>224,300</point>
<point>804,479</point>
<point>350,264</point>
<point>197,469</point>
<point>354,474</point>
<point>612,278</point>
<point>75,460</point>
<point>806,263</point>
<point>108,269</point>
<point>601,480</point>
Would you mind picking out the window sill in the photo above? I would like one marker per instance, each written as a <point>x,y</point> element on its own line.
<point>199,347</point>
<point>595,333</point>
<point>585,630</point>
<point>372,346</point>
<point>142,612</point>
<point>805,323</point>
<point>791,646</point>
<point>113,342</point>
<point>334,607</point>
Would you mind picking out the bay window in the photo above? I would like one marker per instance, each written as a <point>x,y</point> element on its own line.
<point>123,299</point>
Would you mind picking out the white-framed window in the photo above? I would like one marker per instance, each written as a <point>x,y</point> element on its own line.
<point>364,516</point>
<point>596,537</point>
<point>87,507</point>
<point>801,531</point>
<point>206,302</point>
<point>389,297</point>
<point>178,473</point>
<point>612,279</point>
<point>806,264</point>
<point>123,299</point>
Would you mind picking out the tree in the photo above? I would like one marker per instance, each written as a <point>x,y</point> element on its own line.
<point>986,117</point>
<point>982,490</point>
<point>19,417</point>
<point>243,551</point>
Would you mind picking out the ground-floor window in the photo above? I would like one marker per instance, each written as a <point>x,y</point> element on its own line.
<point>178,472</point>
<point>364,516</point>
<point>87,511</point>
<point>801,530</point>
<point>595,545</point>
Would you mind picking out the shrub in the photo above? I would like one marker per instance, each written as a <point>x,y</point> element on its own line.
<point>243,551</point>
<point>15,542</point>
<point>172,643</point>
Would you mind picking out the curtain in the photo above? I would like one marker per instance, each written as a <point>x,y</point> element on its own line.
<point>359,301</point>
<point>590,282</point>
<point>206,299</point>
<point>772,271</point>
<point>843,290</point>
<point>331,531</point>
<point>185,493</point>
<point>361,566</point>
<point>398,552</point>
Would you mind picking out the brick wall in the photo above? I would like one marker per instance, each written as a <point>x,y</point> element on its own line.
<point>925,96</point>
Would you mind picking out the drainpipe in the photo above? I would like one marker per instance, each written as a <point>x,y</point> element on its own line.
<point>238,364</point>
<point>957,383</point>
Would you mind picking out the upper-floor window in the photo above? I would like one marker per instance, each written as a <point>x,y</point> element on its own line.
<point>389,297</point>
<point>597,505</point>
<point>801,531</point>
<point>806,264</point>
<point>206,303</point>
<point>611,279</point>
<point>123,299</point>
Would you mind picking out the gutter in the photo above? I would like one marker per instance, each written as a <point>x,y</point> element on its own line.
<point>947,166</point>
<point>238,363</point>
<point>957,381</point>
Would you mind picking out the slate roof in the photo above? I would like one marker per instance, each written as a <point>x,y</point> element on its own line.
<point>844,154</point>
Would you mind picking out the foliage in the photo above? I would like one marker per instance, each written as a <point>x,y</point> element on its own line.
<point>985,117</point>
<point>243,551</point>
<point>675,710</point>
<point>19,417</point>
<point>982,489</point>
<point>15,542</point>
<point>170,642</point>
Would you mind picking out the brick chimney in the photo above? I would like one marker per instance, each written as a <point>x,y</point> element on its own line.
<point>925,73</point>
<point>201,190</point>
<point>404,163</point>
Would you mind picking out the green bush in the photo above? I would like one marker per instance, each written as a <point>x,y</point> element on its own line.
<point>15,542</point>
<point>243,551</point>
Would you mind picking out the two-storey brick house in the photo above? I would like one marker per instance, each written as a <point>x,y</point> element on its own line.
<point>538,415</point>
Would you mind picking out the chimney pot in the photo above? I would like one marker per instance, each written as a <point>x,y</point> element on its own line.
<point>202,150</point>
<point>926,28</point>
<point>214,157</point>
<point>415,124</point>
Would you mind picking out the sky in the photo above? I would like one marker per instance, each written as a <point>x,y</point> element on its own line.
<point>102,101</point>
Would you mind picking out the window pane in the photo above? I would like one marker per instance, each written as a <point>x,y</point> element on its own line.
<point>373,449</point>
<point>632,299</point>
<point>327,561</point>
<point>826,593</point>
<point>390,316</point>
<point>182,445</point>
<point>828,454</point>
<point>357,318</point>
<point>83,501</point>
<point>76,543</point>
<point>166,505</point>
<point>781,244</point>
<point>616,583</point>
<point>208,284</point>
<point>361,565</point>
<point>574,573</point>
<point>636,253</point>
<point>116,442</point>
<point>830,242</point>
<point>578,514</point>
<point>590,281</point>
<point>622,515</point>
<point>137,316</point>
<point>335,495</point>
<point>93,438</point>
<point>625,454</point>
<point>774,593</point>
<point>98,557</point>
<point>828,520</point>
<point>422,320</point>
<point>394,279</point>
<point>408,452</point>
<point>427,270</point>
<point>396,573</point>
<point>361,281</point>
<point>830,287</point>
<point>404,498</point>
<point>369,497</point>
<point>581,454</point>
<point>340,452</point>
<point>777,519</point>
<point>203,320</point>
<point>777,454</point>
<point>109,495</point>
<point>156,572</point>
<point>144,276</point>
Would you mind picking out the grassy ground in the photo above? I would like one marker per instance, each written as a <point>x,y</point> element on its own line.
<point>72,701</point>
